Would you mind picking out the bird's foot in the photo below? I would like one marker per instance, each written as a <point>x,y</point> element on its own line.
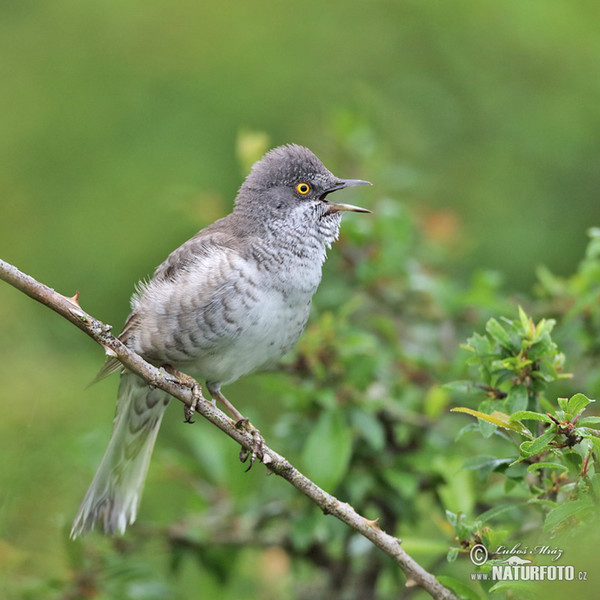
<point>184,379</point>
<point>256,449</point>
<point>188,411</point>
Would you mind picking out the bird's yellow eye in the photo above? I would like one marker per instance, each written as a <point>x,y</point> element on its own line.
<point>303,188</point>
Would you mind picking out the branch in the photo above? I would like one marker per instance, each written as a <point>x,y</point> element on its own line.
<point>100,332</point>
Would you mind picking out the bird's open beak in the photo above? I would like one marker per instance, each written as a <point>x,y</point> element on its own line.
<point>340,185</point>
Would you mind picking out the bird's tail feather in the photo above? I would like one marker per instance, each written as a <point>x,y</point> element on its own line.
<point>115,492</point>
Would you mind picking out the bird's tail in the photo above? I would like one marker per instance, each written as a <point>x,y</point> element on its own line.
<point>116,489</point>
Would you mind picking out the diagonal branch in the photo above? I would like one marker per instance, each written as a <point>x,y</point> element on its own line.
<point>100,332</point>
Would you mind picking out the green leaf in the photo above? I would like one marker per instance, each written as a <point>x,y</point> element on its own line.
<point>525,320</point>
<point>576,508</point>
<point>573,459</point>
<point>369,428</point>
<point>539,444</point>
<point>461,386</point>
<point>459,588</point>
<point>517,399</point>
<point>327,449</point>
<point>405,484</point>
<point>595,441</point>
<point>516,471</point>
<point>499,334</point>
<point>452,517</point>
<point>304,529</point>
<point>479,344</point>
<point>486,428</point>
<point>485,464</point>
<point>524,415</point>
<point>452,554</point>
<point>543,502</point>
<point>466,429</point>
<point>435,401</point>
<point>525,590</point>
<point>546,465</point>
<point>545,327</point>
<point>588,421</point>
<point>540,348</point>
<point>497,418</point>
<point>577,403</point>
<point>490,514</point>
<point>424,546</point>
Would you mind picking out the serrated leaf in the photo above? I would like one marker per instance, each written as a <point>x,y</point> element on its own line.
<point>327,449</point>
<point>577,403</point>
<point>576,508</point>
<point>540,348</point>
<point>545,327</point>
<point>479,344</point>
<point>573,459</point>
<point>468,427</point>
<point>515,471</point>
<point>525,320</point>
<point>524,415</point>
<point>539,444</point>
<point>461,589</point>
<point>543,502</point>
<point>487,407</point>
<point>497,418</point>
<point>517,399</point>
<point>485,464</point>
<point>594,440</point>
<point>497,510</point>
<point>499,334</point>
<point>546,465</point>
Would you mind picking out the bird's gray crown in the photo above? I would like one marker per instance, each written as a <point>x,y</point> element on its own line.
<point>285,166</point>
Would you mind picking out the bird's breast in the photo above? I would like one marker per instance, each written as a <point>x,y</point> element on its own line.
<point>266,327</point>
<point>225,319</point>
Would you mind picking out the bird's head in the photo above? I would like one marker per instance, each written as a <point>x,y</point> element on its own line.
<point>291,183</point>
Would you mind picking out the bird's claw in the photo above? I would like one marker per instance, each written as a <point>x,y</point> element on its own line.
<point>256,449</point>
<point>188,411</point>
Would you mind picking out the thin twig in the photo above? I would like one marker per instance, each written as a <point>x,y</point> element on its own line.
<point>100,332</point>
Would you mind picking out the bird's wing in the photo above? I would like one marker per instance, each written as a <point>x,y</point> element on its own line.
<point>204,254</point>
<point>203,244</point>
<point>208,249</point>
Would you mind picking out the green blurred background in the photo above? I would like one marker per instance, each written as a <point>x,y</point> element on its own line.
<point>124,129</point>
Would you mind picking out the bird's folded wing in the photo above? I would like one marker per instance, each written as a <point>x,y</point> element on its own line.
<point>205,246</point>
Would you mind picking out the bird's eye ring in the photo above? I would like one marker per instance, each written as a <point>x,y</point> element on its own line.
<point>303,188</point>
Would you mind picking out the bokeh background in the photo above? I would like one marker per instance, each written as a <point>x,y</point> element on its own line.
<point>126,127</point>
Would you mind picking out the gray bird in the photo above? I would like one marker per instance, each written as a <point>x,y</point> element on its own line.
<point>231,300</point>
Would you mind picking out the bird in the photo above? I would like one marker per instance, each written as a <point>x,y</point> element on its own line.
<point>231,300</point>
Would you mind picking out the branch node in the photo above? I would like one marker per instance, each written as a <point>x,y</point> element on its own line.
<point>75,299</point>
<point>373,523</point>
